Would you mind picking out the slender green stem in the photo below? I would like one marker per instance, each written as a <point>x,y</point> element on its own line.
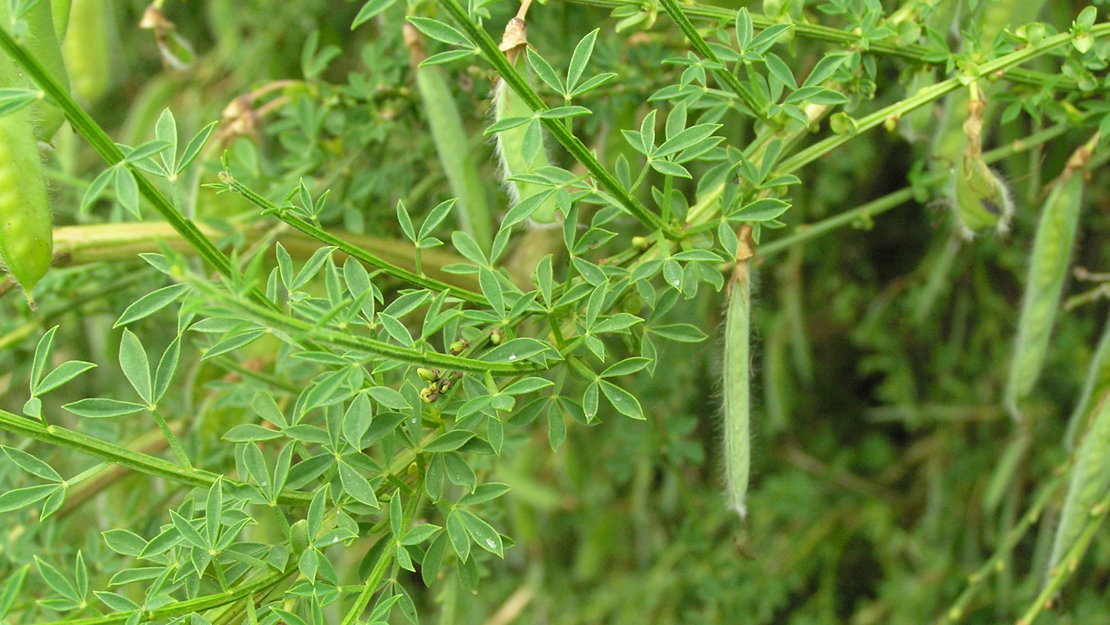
<point>111,153</point>
<point>276,320</point>
<point>912,52</point>
<point>701,47</point>
<point>318,233</point>
<point>878,206</point>
<point>385,558</point>
<point>143,463</point>
<point>183,608</point>
<point>171,438</point>
<point>926,95</point>
<point>493,55</point>
<point>975,581</point>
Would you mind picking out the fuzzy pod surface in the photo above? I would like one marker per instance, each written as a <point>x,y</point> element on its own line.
<point>520,151</point>
<point>1048,267</point>
<point>982,199</point>
<point>25,229</point>
<point>737,382</point>
<point>1087,486</point>
<point>1096,381</point>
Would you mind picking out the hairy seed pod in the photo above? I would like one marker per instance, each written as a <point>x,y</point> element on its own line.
<point>1096,382</point>
<point>520,149</point>
<point>452,143</point>
<point>1048,267</point>
<point>86,49</point>
<point>1088,484</point>
<point>737,380</point>
<point>42,42</point>
<point>25,232</point>
<point>982,198</point>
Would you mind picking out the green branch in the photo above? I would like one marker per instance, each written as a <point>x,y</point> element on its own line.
<point>318,233</point>
<point>701,47</point>
<point>292,326</point>
<point>926,95</point>
<point>122,456</point>
<point>493,55</point>
<point>912,52</point>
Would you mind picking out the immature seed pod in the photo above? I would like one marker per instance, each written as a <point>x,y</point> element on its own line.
<point>25,232</point>
<point>737,380</point>
<point>520,149</point>
<point>86,49</point>
<point>1088,484</point>
<point>982,199</point>
<point>59,10</point>
<point>298,536</point>
<point>1096,382</point>
<point>43,44</point>
<point>1048,267</point>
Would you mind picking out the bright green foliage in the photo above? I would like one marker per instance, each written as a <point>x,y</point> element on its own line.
<point>279,375</point>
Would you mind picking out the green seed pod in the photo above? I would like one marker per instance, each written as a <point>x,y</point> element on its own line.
<point>1048,267</point>
<point>428,375</point>
<point>452,144</point>
<point>298,536</point>
<point>86,49</point>
<point>59,10</point>
<point>1096,382</point>
<point>42,42</point>
<point>737,381</point>
<point>26,237</point>
<point>520,149</point>
<point>1088,484</point>
<point>982,199</point>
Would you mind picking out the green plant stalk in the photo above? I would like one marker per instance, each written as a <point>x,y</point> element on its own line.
<point>85,126</point>
<point>276,320</point>
<point>816,32</point>
<point>171,438</point>
<point>385,559</point>
<point>287,216</point>
<point>883,204</point>
<point>122,456</point>
<point>1069,562</point>
<point>186,607</point>
<point>95,243</point>
<point>928,94</point>
<point>957,611</point>
<point>493,55</point>
<point>701,47</point>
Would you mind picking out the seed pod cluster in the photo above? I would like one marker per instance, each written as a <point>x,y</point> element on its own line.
<point>737,379</point>
<point>438,383</point>
<point>1048,267</point>
<point>520,149</point>
<point>982,199</point>
<point>25,232</point>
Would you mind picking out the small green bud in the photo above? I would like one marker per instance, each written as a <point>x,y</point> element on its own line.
<point>496,336</point>
<point>458,347</point>
<point>298,536</point>
<point>428,375</point>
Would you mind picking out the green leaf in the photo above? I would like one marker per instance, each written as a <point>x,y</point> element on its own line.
<point>449,441</point>
<point>580,58</point>
<point>61,374</point>
<point>167,366</point>
<point>370,10</point>
<point>20,498</point>
<point>680,332</point>
<point>56,580</point>
<point>151,303</point>
<point>42,357</point>
<point>102,408</point>
<point>622,400</point>
<point>136,367</point>
<point>419,534</point>
<point>389,398</point>
<point>356,486</point>
<point>31,464</point>
<point>544,71</point>
<point>483,533</point>
<point>440,32</point>
<point>764,209</point>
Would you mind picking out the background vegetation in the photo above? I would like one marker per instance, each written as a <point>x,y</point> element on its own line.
<point>275,432</point>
